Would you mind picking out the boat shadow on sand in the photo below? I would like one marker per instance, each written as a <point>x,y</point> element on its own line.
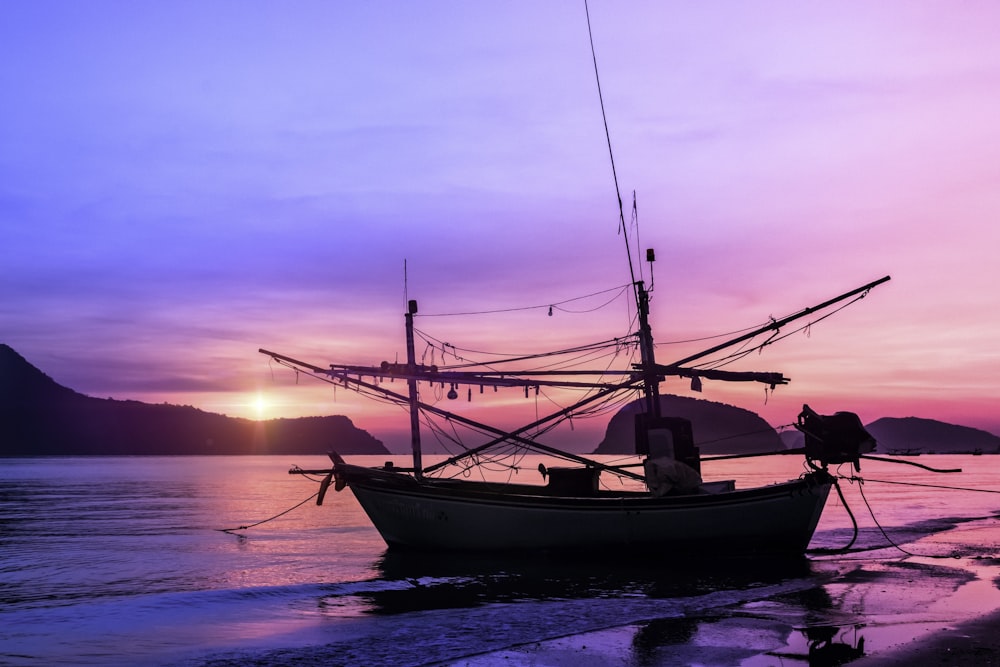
<point>679,606</point>
<point>446,580</point>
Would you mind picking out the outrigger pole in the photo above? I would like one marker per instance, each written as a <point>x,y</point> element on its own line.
<point>777,324</point>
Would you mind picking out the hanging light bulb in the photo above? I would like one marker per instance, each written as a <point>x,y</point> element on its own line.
<point>452,394</point>
<point>550,311</point>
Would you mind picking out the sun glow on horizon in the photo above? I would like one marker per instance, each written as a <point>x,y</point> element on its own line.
<point>260,405</point>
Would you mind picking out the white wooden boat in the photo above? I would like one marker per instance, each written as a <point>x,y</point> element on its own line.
<point>426,508</point>
<point>444,514</point>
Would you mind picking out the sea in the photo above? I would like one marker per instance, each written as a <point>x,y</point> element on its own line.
<point>229,561</point>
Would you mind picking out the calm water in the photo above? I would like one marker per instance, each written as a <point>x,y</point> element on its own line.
<point>121,561</point>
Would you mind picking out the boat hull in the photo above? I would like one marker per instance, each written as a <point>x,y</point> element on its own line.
<point>472,516</point>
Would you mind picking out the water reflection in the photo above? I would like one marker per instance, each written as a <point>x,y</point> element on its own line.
<point>439,580</point>
<point>826,651</point>
<point>659,633</point>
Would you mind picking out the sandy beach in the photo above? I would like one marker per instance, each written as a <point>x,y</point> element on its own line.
<point>889,612</point>
<point>973,642</point>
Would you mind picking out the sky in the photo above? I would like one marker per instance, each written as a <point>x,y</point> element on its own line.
<point>183,183</point>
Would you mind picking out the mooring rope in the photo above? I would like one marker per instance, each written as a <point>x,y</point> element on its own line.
<point>932,486</point>
<point>854,522</point>
<point>861,481</point>
<point>888,539</point>
<point>230,530</point>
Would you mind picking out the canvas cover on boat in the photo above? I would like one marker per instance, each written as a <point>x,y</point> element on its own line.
<point>666,474</point>
<point>836,438</point>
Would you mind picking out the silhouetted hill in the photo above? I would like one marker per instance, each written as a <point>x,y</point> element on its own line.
<point>718,428</point>
<point>915,435</point>
<point>38,416</point>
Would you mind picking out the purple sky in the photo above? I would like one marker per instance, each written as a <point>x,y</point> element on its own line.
<point>184,182</point>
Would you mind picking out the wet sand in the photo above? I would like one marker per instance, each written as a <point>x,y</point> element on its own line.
<point>913,612</point>
<point>973,642</point>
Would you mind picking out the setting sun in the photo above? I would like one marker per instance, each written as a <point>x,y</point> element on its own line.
<point>259,405</point>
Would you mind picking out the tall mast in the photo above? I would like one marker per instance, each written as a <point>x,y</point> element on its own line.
<point>411,362</point>
<point>651,384</point>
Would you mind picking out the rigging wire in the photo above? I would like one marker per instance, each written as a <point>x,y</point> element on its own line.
<point>554,304</point>
<point>932,486</point>
<point>638,244</point>
<point>610,350</point>
<point>776,429</point>
<point>607,303</point>
<point>773,338</point>
<point>505,449</point>
<point>514,356</point>
<point>611,153</point>
<point>712,337</point>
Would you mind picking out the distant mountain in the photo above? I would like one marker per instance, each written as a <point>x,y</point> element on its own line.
<point>718,428</point>
<point>913,435</point>
<point>38,416</point>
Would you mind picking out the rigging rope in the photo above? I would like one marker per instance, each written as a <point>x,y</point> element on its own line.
<point>553,304</point>
<point>776,430</point>
<point>611,153</point>
<point>437,343</point>
<point>861,481</point>
<point>933,486</point>
<point>773,338</point>
<point>727,334</point>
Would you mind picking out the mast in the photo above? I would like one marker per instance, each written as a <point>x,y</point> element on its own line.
<point>651,384</point>
<point>411,383</point>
